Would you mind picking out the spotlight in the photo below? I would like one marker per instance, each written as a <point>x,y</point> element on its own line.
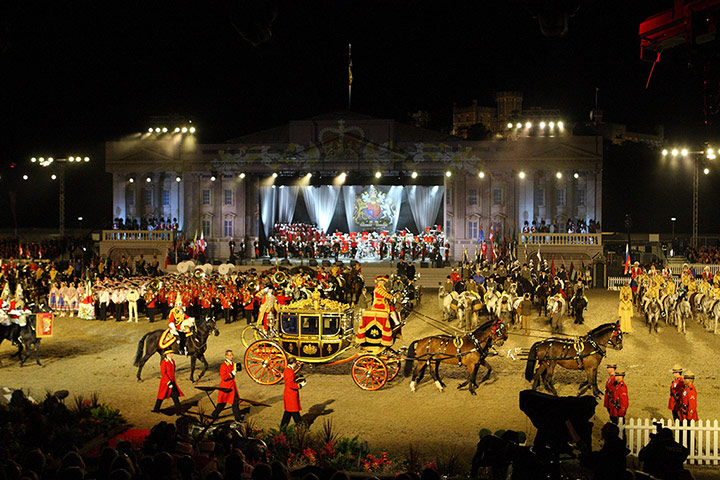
<point>528,124</point>
<point>414,175</point>
<point>710,151</point>
<point>675,152</point>
<point>664,152</point>
<point>150,130</point>
<point>33,159</point>
<point>25,177</point>
<point>148,180</point>
<point>53,176</point>
<point>80,219</point>
<point>274,175</point>
<point>576,175</point>
<point>131,180</point>
<point>309,175</point>
<point>177,129</point>
<point>378,174</point>
<point>519,125</point>
<point>448,173</point>
<point>551,124</point>
<point>86,159</point>
<point>241,176</point>
<point>164,130</point>
<point>558,175</point>
<point>184,130</point>
<point>560,125</point>
<point>705,171</point>
<point>71,159</point>
<point>157,130</point>
<point>521,175</point>
<point>684,152</point>
<point>192,129</point>
<point>509,125</point>
<point>212,178</point>
<point>481,174</point>
<point>177,179</point>
<point>542,124</point>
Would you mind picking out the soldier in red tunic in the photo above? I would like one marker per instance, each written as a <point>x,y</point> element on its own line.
<point>689,399</point>
<point>168,385</point>
<point>228,369</point>
<point>291,394</point>
<point>619,403</point>
<point>609,385</point>
<point>676,392</point>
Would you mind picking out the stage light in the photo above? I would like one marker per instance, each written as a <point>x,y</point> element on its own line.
<point>519,125</point>
<point>378,174</point>
<point>177,129</point>
<point>309,175</point>
<point>342,177</point>
<point>551,124</point>
<point>71,159</point>
<point>25,177</point>
<point>53,176</point>
<point>560,125</point>
<point>86,159</point>
<point>212,178</point>
<point>131,180</point>
<point>157,130</point>
<point>705,171</point>
<point>558,175</point>
<point>414,175</point>
<point>521,175</point>
<point>576,175</point>
<point>150,130</point>
<point>448,173</point>
<point>192,129</point>
<point>33,160</point>
<point>274,175</point>
<point>664,152</point>
<point>164,130</point>
<point>148,180</point>
<point>184,130</point>
<point>542,124</point>
<point>481,174</point>
<point>509,125</point>
<point>675,152</point>
<point>177,179</point>
<point>684,152</point>
<point>528,124</point>
<point>241,176</point>
<point>710,151</point>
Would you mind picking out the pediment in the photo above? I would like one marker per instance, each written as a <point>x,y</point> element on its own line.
<point>144,155</point>
<point>564,151</point>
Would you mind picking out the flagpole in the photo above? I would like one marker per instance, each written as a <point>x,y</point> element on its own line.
<point>349,75</point>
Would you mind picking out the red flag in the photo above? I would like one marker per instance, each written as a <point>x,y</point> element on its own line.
<point>552,266</point>
<point>627,258</point>
<point>492,232</point>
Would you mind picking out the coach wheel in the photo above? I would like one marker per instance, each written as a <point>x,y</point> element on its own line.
<point>265,362</point>
<point>369,372</point>
<point>249,335</point>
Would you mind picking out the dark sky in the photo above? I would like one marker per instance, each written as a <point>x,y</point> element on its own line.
<point>77,73</point>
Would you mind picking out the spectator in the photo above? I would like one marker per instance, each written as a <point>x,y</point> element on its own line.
<point>663,457</point>
<point>609,462</point>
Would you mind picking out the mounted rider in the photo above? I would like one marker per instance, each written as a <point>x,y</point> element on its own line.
<point>180,324</point>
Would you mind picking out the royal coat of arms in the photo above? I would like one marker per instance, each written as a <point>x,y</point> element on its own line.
<point>372,209</point>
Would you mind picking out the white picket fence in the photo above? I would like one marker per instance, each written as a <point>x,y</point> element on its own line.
<point>615,283</point>
<point>701,437</point>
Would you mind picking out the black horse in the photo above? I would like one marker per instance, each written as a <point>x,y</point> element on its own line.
<point>541,296</point>
<point>24,337</point>
<point>578,303</point>
<point>196,345</point>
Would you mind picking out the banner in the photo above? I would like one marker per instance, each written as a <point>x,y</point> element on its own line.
<point>44,324</point>
<point>371,207</point>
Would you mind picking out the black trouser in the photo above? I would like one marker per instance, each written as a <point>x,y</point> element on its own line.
<point>248,314</point>
<point>102,311</point>
<point>286,418</point>
<point>676,414</point>
<point>614,419</point>
<point>151,314</point>
<point>118,311</point>
<point>175,398</point>
<point>235,409</point>
<point>226,314</point>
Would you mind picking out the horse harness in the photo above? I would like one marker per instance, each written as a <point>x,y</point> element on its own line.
<point>578,345</point>
<point>458,343</point>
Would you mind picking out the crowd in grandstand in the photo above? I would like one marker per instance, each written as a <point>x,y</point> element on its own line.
<point>705,254</point>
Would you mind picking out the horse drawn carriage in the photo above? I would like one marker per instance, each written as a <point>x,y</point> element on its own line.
<point>322,331</point>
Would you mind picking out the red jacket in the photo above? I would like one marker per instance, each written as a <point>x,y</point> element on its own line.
<point>689,400</point>
<point>167,372</point>
<point>620,401</point>
<point>291,395</point>
<point>676,392</point>
<point>609,387</point>
<point>227,380</point>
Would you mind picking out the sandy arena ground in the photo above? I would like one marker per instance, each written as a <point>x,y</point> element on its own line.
<point>92,356</point>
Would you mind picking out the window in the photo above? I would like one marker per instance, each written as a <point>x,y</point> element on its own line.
<point>498,194</point>
<point>166,198</point>
<point>472,196</point>
<point>227,228</point>
<point>540,197</point>
<point>131,198</point>
<point>206,196</point>
<point>560,199</point>
<point>227,197</point>
<point>148,196</point>
<point>206,227</point>
<point>581,197</point>
<point>472,230</point>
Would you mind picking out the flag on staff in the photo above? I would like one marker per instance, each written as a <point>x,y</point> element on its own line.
<point>481,235</point>
<point>464,256</point>
<point>552,266</point>
<point>627,259</point>
<point>539,258</point>
<point>573,273</point>
<point>492,232</point>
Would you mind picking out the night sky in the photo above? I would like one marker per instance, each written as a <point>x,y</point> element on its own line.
<point>78,73</point>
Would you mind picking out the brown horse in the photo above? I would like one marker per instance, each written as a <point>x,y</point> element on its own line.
<point>584,354</point>
<point>196,346</point>
<point>469,350</point>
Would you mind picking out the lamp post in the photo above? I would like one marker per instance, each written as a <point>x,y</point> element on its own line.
<point>61,165</point>
<point>697,157</point>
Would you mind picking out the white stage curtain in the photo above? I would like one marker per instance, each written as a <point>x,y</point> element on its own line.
<point>321,203</point>
<point>286,201</point>
<point>393,198</point>
<point>425,203</point>
<point>268,203</point>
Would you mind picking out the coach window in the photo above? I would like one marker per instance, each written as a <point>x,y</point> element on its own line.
<point>289,323</point>
<point>310,325</point>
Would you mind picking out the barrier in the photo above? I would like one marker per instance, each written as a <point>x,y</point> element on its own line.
<point>560,239</point>
<point>701,437</point>
<point>138,236</point>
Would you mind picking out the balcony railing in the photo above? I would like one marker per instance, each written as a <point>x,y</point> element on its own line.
<point>560,239</point>
<point>138,236</point>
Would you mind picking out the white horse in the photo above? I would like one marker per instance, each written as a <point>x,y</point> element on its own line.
<point>492,299</point>
<point>563,305</point>
<point>680,314</point>
<point>454,305</point>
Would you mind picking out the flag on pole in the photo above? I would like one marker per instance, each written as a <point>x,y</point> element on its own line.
<point>627,258</point>
<point>492,232</point>
<point>539,258</point>
<point>573,273</point>
<point>481,235</point>
<point>552,266</point>
<point>464,256</point>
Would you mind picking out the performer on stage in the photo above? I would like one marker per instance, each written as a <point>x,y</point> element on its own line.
<point>228,369</point>
<point>168,385</point>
